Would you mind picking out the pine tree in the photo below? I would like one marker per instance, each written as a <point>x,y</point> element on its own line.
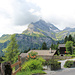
<point>66,39</point>
<point>52,46</point>
<point>70,38</point>
<point>44,46</point>
<point>11,52</point>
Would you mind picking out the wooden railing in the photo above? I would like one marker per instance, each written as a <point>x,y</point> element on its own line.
<point>13,65</point>
<point>17,63</point>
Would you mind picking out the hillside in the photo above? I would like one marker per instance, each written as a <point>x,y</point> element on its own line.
<point>26,41</point>
<point>66,32</point>
<point>4,38</point>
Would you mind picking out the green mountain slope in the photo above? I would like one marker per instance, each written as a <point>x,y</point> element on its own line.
<point>61,35</point>
<point>4,38</point>
<point>26,41</point>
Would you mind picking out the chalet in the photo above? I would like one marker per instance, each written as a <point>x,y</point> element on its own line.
<point>62,49</point>
<point>46,54</point>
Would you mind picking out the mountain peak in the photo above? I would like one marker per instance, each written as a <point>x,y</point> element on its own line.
<point>70,29</point>
<point>67,28</point>
<point>42,27</point>
<point>39,21</point>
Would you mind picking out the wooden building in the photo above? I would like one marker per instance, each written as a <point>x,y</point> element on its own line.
<point>62,49</point>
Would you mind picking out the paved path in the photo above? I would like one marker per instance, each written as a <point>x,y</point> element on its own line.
<point>63,71</point>
<point>66,72</point>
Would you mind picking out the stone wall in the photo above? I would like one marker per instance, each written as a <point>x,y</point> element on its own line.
<point>56,57</point>
<point>62,57</point>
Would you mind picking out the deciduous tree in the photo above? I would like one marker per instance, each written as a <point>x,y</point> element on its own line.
<point>69,45</point>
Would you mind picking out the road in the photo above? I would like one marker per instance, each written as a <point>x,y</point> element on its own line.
<point>63,71</point>
<point>67,72</point>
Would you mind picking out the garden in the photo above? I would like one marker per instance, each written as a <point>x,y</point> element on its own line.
<point>34,65</point>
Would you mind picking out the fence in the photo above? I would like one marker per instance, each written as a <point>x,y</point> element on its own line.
<point>13,65</point>
<point>17,63</point>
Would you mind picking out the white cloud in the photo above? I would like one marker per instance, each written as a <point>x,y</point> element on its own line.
<point>59,12</point>
<point>31,10</point>
<point>16,14</point>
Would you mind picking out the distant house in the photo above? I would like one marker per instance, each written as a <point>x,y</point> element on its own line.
<point>46,54</point>
<point>62,49</point>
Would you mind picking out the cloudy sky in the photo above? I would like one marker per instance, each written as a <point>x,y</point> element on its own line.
<point>15,15</point>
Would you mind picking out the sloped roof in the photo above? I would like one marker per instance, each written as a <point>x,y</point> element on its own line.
<point>44,52</point>
<point>61,45</point>
<point>23,54</point>
<point>40,53</point>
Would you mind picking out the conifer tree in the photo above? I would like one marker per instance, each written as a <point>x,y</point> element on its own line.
<point>44,46</point>
<point>11,52</point>
<point>52,46</point>
<point>70,38</point>
<point>66,39</point>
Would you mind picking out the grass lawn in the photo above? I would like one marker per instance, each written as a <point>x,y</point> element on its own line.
<point>31,72</point>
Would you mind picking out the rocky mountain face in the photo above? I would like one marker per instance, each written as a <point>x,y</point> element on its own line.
<point>46,29</point>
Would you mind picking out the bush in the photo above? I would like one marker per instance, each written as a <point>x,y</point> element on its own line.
<point>68,64</point>
<point>54,64</point>
<point>73,55</point>
<point>41,60</point>
<point>32,55</point>
<point>31,72</point>
<point>32,65</point>
<point>49,62</point>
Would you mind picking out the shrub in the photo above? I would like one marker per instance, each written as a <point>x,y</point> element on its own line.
<point>73,55</point>
<point>54,64</point>
<point>41,60</point>
<point>32,55</point>
<point>68,64</point>
<point>31,72</point>
<point>49,62</point>
<point>32,65</point>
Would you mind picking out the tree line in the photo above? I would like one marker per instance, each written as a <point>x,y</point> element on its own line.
<point>70,44</point>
